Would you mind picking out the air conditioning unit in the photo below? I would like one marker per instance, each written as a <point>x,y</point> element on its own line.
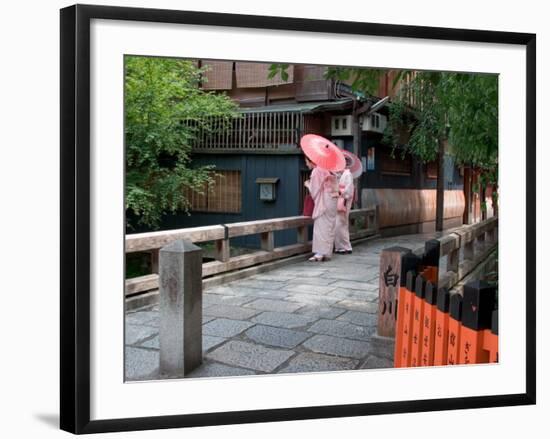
<point>340,126</point>
<point>375,122</point>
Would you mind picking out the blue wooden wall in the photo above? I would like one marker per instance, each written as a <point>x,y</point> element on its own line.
<point>287,168</point>
<point>252,166</point>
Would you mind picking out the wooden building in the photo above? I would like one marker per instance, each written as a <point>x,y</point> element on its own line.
<point>261,149</point>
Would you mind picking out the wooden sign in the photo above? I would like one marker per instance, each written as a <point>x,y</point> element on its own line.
<point>391,278</point>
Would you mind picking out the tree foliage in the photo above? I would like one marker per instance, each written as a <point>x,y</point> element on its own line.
<point>165,109</point>
<point>459,107</point>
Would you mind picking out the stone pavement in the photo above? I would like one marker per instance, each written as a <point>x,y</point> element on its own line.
<point>305,317</point>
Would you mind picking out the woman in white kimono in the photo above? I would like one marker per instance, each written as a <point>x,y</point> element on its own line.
<point>323,187</point>
<point>342,243</point>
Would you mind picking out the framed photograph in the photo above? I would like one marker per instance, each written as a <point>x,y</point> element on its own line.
<point>272,218</point>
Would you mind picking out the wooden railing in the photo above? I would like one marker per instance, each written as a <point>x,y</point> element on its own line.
<point>435,321</point>
<point>256,131</point>
<point>464,249</point>
<point>363,223</point>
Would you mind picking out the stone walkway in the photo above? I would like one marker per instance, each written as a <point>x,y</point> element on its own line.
<point>306,317</point>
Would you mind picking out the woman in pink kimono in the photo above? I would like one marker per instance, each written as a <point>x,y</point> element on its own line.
<point>342,243</point>
<point>323,187</point>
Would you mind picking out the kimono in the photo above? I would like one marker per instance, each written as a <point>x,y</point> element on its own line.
<point>323,186</point>
<point>341,236</point>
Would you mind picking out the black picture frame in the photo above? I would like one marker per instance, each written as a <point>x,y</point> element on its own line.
<point>75,217</point>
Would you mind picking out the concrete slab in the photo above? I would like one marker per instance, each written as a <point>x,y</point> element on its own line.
<point>311,299</point>
<point>225,327</point>
<point>356,295</point>
<point>259,284</point>
<point>311,362</point>
<point>326,344</point>
<point>283,319</point>
<point>135,334</point>
<point>250,356</point>
<point>374,362</point>
<point>275,275</point>
<point>301,280</point>
<point>230,312</point>
<point>208,342</point>
<point>355,305</point>
<point>209,299</point>
<point>299,287</point>
<point>359,318</point>
<point>343,329</point>
<point>355,285</point>
<point>140,364</point>
<point>149,318</point>
<point>318,311</point>
<point>273,305</point>
<point>248,292</point>
<point>278,337</point>
<point>211,369</point>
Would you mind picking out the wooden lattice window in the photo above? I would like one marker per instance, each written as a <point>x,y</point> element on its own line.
<point>218,76</point>
<point>395,164</point>
<point>223,195</point>
<point>253,74</point>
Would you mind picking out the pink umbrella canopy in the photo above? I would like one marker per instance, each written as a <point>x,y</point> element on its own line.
<point>323,152</point>
<point>355,167</point>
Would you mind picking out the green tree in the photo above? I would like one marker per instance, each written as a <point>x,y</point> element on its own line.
<point>165,109</point>
<point>435,108</point>
<point>458,108</point>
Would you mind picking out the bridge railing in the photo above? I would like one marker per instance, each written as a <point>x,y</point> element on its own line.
<point>447,315</point>
<point>363,223</point>
<point>462,250</point>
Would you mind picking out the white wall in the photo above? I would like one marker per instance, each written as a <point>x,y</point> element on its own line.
<point>30,204</point>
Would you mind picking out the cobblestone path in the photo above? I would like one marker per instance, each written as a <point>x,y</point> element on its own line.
<point>306,317</point>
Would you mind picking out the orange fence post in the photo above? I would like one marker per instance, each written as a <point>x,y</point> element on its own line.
<point>455,313</point>
<point>428,336</point>
<point>403,349</point>
<point>409,265</point>
<point>478,303</point>
<point>441,327</point>
<point>418,317</point>
<point>430,260</point>
<point>490,338</point>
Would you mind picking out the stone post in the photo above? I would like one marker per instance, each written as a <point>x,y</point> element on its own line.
<point>180,284</point>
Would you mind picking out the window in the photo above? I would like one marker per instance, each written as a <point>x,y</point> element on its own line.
<point>396,164</point>
<point>224,195</point>
<point>344,124</point>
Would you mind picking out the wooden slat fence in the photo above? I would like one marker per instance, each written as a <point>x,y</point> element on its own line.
<point>254,131</point>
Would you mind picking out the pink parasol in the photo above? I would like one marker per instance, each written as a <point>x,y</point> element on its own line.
<point>356,167</point>
<point>323,152</point>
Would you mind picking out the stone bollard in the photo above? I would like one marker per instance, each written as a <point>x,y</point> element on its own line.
<point>180,284</point>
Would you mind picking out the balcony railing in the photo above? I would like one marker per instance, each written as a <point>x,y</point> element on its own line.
<point>253,131</point>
